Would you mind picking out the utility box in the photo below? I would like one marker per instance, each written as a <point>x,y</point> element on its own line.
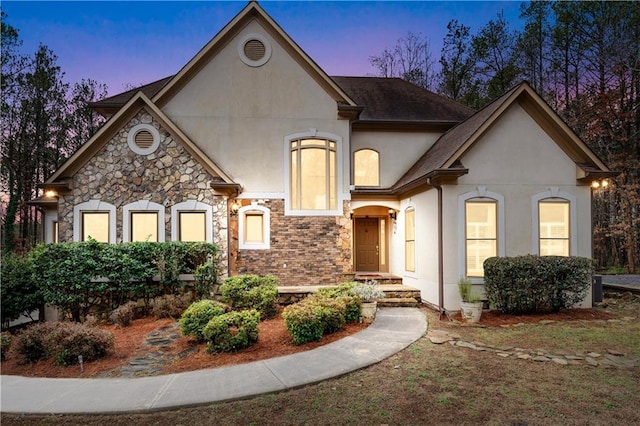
<point>596,290</point>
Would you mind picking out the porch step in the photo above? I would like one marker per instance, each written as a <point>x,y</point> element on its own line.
<point>288,295</point>
<point>398,302</point>
<point>381,277</point>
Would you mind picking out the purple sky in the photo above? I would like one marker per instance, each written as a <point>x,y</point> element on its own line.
<point>135,42</point>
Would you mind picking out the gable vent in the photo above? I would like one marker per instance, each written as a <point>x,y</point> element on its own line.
<point>143,139</point>
<point>254,50</point>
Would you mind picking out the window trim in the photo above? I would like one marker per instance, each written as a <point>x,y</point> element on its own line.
<point>93,206</point>
<point>313,134</point>
<point>142,206</point>
<point>480,193</point>
<point>554,193</point>
<point>266,227</point>
<point>355,166</point>
<point>477,200</point>
<point>191,206</point>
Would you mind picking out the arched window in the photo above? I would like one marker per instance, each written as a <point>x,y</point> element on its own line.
<point>554,223</point>
<point>192,221</point>
<point>366,168</point>
<point>143,221</point>
<point>94,219</point>
<point>410,239</point>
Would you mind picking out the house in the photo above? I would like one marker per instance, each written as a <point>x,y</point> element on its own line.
<point>252,146</point>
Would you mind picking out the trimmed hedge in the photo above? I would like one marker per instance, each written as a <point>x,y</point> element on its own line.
<point>303,322</point>
<point>251,292</point>
<point>232,331</point>
<point>62,341</point>
<point>198,315</point>
<point>20,295</point>
<point>535,284</point>
<point>345,293</point>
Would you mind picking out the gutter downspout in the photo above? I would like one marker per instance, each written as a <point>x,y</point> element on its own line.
<point>440,249</point>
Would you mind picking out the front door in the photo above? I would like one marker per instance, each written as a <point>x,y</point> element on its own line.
<point>367,244</point>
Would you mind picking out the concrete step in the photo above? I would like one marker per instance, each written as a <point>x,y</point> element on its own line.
<point>398,302</point>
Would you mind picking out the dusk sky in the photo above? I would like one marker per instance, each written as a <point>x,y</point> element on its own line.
<point>136,42</point>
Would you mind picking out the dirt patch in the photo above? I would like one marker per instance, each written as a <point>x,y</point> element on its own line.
<point>497,319</point>
<point>273,341</point>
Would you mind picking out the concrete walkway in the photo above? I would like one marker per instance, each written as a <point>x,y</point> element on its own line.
<point>393,330</point>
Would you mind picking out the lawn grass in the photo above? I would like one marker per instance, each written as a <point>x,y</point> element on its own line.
<point>441,385</point>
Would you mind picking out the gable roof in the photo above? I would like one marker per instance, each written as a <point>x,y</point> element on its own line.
<point>446,152</point>
<point>396,100</point>
<point>111,105</point>
<point>251,12</point>
<point>136,103</point>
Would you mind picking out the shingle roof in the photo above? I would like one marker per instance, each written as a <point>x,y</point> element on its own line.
<point>383,99</point>
<point>450,142</point>
<point>394,99</point>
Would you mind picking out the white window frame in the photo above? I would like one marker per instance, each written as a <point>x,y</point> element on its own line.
<point>556,194</point>
<point>481,194</point>
<point>144,206</point>
<point>89,207</point>
<point>411,209</point>
<point>191,206</point>
<point>313,134</point>
<point>266,227</point>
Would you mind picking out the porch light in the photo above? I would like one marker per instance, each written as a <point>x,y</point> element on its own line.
<point>602,183</point>
<point>234,208</point>
<point>393,214</point>
<point>50,193</point>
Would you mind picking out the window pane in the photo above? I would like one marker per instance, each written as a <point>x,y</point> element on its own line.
<point>313,179</point>
<point>366,168</point>
<point>554,220</point>
<point>410,255</point>
<point>477,252</point>
<point>96,226</point>
<point>254,231</point>
<point>554,247</point>
<point>144,226</point>
<point>410,225</point>
<point>54,237</point>
<point>193,226</point>
<point>333,200</point>
<point>294,180</point>
<point>481,220</point>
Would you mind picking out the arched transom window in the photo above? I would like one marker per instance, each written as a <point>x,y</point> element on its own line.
<point>366,168</point>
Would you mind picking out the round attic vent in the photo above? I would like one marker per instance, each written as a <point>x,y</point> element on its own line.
<point>143,139</point>
<point>254,50</point>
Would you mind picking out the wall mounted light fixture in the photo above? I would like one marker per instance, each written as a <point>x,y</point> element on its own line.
<point>602,183</point>
<point>234,209</point>
<point>393,214</point>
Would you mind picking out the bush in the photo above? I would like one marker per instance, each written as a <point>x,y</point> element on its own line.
<point>206,276</point>
<point>303,322</point>
<point>170,305</point>
<point>5,344</point>
<point>344,293</point>
<point>534,284</point>
<point>62,341</point>
<point>251,292</point>
<point>232,331</point>
<point>124,314</point>
<point>20,295</point>
<point>369,291</point>
<point>198,314</point>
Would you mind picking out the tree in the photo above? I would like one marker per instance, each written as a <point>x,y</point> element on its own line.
<point>410,60</point>
<point>457,76</point>
<point>84,121</point>
<point>534,44</point>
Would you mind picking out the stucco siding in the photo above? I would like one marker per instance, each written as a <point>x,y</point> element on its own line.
<point>238,115</point>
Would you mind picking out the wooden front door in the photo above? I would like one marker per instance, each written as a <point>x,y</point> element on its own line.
<point>367,244</point>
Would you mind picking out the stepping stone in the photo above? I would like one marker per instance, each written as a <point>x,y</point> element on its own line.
<point>541,358</point>
<point>574,357</point>
<point>142,361</point>
<point>593,355</point>
<point>591,361</point>
<point>465,344</point>
<point>524,356</point>
<point>503,354</point>
<point>615,352</point>
<point>560,361</point>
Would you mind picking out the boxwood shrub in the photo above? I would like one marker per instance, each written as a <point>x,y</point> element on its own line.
<point>198,315</point>
<point>303,322</point>
<point>536,284</point>
<point>251,292</point>
<point>232,331</point>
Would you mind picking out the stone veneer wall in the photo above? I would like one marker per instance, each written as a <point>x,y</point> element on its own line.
<point>119,176</point>
<point>315,249</point>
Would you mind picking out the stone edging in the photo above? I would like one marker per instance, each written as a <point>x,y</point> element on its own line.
<point>612,358</point>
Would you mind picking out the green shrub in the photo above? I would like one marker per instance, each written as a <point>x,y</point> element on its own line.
<point>346,294</point>
<point>20,295</point>
<point>62,341</point>
<point>534,284</point>
<point>332,312</point>
<point>344,289</point>
<point>303,322</point>
<point>232,331</point>
<point>198,314</point>
<point>170,305</point>
<point>206,276</point>
<point>5,344</point>
<point>251,292</point>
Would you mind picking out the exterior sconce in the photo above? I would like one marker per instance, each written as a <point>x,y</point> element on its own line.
<point>234,209</point>
<point>602,183</point>
<point>393,214</point>
<point>50,193</point>
<point>351,215</point>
